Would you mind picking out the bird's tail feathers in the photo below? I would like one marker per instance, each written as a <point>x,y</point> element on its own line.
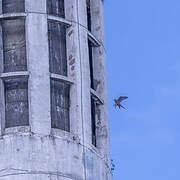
<point>122,106</point>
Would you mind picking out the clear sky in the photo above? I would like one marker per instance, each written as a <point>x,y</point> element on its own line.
<point>143,62</point>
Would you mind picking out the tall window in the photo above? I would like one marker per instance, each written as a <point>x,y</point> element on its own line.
<point>90,50</point>
<point>14,45</point>
<point>58,65</point>
<point>93,120</point>
<point>16,102</point>
<point>12,6</point>
<point>57,48</point>
<point>60,105</point>
<point>14,60</point>
<point>92,86</point>
<point>56,7</point>
<point>88,8</point>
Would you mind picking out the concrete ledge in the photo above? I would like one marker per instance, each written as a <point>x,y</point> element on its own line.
<point>14,130</point>
<point>96,96</point>
<point>61,78</point>
<point>59,19</point>
<point>68,136</point>
<point>12,15</point>
<point>23,146</point>
<point>13,173</point>
<point>14,74</point>
<point>93,39</point>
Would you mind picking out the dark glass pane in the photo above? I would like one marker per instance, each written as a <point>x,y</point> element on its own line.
<point>60,105</point>
<point>91,64</point>
<point>57,48</point>
<point>93,120</point>
<point>14,45</point>
<point>16,102</point>
<point>13,6</point>
<point>88,15</point>
<point>55,7</point>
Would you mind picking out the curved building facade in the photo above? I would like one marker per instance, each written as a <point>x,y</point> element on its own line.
<point>53,91</point>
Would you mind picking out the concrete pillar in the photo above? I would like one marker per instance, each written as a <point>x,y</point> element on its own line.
<point>38,66</point>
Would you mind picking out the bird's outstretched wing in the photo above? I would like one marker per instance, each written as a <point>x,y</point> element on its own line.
<point>121,98</point>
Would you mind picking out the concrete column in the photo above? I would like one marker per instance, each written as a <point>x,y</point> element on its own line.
<point>74,55</point>
<point>100,55</point>
<point>85,74</point>
<point>35,6</point>
<point>74,69</point>
<point>38,66</point>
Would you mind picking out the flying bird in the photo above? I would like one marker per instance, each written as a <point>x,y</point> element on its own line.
<point>119,100</point>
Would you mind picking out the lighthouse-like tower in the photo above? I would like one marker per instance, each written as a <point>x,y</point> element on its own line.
<point>53,91</point>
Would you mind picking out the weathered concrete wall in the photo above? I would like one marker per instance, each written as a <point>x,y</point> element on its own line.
<point>27,154</point>
<point>37,152</point>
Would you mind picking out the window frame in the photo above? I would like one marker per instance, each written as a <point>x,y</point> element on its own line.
<point>93,92</point>
<point>18,122</point>
<point>9,75</point>
<point>63,123</point>
<point>19,17</point>
<point>57,77</point>
<point>63,61</point>
<point>99,102</point>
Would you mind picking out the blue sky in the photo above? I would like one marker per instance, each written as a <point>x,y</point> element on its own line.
<point>143,62</point>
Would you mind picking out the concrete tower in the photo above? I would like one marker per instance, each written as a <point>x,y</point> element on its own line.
<point>53,91</point>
